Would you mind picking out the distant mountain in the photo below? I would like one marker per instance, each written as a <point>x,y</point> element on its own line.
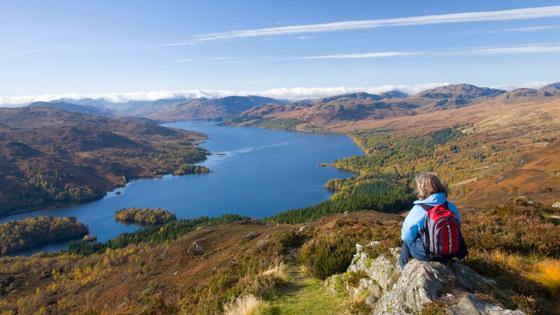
<point>362,96</point>
<point>52,157</point>
<point>128,108</point>
<point>393,94</point>
<point>552,89</point>
<point>455,95</point>
<point>338,108</point>
<point>315,114</point>
<point>146,108</point>
<point>75,108</point>
<point>207,108</point>
<point>524,93</point>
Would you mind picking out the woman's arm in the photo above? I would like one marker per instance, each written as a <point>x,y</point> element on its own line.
<point>412,224</point>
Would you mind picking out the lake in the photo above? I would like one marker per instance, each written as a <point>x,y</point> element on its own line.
<point>255,172</point>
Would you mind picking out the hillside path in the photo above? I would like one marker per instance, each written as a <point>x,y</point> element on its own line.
<point>303,294</point>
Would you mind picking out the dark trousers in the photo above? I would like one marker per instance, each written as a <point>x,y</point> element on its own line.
<point>412,250</point>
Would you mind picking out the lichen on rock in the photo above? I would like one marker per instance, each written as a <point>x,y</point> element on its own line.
<point>384,290</point>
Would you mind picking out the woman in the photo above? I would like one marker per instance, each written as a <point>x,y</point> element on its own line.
<point>431,192</point>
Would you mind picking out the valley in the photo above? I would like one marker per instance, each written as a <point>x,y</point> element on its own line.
<point>270,164</point>
<point>279,157</point>
<point>496,149</point>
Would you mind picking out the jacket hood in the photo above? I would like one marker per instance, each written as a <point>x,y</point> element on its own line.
<point>433,199</point>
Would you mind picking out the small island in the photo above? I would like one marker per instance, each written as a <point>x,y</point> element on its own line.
<point>191,169</point>
<point>32,232</point>
<point>144,216</point>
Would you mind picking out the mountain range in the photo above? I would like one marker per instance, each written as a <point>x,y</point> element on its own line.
<point>308,114</point>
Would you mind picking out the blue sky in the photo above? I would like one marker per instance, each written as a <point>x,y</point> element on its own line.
<point>99,46</point>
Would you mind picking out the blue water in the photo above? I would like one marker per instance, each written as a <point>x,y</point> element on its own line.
<point>255,172</point>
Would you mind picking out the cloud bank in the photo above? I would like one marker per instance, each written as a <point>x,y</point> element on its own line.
<point>287,93</point>
<point>463,17</point>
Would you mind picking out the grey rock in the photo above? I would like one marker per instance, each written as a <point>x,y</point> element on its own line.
<point>388,291</point>
<point>252,235</point>
<point>262,243</point>
<point>470,304</point>
<point>196,248</point>
<point>303,228</point>
<point>419,283</point>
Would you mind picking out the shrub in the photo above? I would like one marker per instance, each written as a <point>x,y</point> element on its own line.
<point>284,241</point>
<point>325,257</point>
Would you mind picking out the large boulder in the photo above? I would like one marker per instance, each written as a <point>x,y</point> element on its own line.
<point>374,280</point>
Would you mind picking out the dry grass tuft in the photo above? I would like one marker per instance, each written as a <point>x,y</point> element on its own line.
<point>547,273</point>
<point>277,272</point>
<point>244,305</point>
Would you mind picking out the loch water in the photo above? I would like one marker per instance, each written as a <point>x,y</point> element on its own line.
<point>254,172</point>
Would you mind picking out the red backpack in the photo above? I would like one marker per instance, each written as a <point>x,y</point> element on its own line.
<point>442,233</point>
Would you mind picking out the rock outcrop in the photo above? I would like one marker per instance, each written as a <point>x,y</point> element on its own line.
<point>374,281</point>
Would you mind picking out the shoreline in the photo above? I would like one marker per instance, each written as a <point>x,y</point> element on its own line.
<point>60,205</point>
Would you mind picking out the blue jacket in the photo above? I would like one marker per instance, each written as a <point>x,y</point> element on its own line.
<point>414,222</point>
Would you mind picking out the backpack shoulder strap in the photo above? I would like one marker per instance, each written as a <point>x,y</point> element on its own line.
<point>428,207</point>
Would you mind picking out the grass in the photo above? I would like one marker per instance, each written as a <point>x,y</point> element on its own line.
<point>547,273</point>
<point>245,305</point>
<point>303,295</point>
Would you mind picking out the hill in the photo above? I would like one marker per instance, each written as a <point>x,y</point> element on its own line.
<point>83,109</point>
<point>207,108</point>
<point>362,110</point>
<point>204,266</point>
<point>552,89</point>
<point>455,95</point>
<point>54,157</point>
<point>312,114</point>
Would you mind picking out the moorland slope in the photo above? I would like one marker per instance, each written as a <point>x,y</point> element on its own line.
<point>54,157</point>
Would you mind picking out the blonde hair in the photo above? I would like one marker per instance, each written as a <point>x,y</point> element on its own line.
<point>428,183</point>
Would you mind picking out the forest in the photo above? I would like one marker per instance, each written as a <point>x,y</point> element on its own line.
<point>383,192</point>
<point>144,216</point>
<point>27,233</point>
<point>52,158</point>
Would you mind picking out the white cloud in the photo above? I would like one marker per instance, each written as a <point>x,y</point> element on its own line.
<point>469,51</point>
<point>287,93</point>
<point>523,29</point>
<point>293,93</point>
<point>368,55</point>
<point>298,93</point>
<point>499,15</point>
<point>529,85</point>
<point>538,49</point>
<point>185,60</point>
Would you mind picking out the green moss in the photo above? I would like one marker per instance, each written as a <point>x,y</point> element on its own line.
<point>435,308</point>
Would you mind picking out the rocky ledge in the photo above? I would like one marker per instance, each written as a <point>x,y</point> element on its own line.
<point>374,284</point>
